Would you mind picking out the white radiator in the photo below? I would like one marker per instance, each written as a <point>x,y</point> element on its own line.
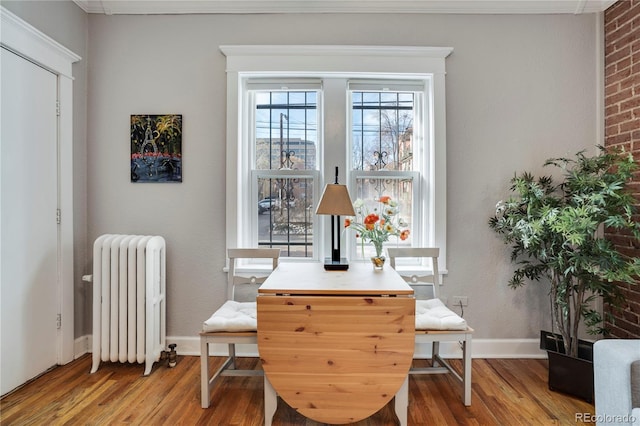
<point>129,303</point>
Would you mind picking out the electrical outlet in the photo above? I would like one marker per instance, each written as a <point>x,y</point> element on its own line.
<point>460,300</point>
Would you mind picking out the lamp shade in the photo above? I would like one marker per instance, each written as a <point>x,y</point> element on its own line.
<point>335,200</point>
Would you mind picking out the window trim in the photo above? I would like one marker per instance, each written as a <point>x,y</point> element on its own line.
<point>413,62</point>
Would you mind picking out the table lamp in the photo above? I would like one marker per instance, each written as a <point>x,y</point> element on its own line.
<point>335,201</point>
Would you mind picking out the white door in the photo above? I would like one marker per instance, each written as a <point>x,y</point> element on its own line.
<point>29,292</point>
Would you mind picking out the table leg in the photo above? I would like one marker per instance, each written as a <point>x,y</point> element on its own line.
<point>402,402</point>
<point>204,373</point>
<point>466,381</point>
<point>270,401</point>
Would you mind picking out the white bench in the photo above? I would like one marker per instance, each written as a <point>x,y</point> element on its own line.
<point>233,323</point>
<point>435,322</point>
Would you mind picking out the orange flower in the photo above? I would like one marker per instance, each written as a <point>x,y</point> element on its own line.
<point>347,223</point>
<point>385,199</point>
<point>371,219</point>
<point>404,234</point>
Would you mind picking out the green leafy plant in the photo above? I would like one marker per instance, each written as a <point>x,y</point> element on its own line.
<point>556,235</point>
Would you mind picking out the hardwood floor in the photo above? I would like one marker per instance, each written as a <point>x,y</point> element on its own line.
<point>505,392</point>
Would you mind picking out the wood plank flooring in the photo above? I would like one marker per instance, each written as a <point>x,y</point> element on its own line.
<point>505,392</point>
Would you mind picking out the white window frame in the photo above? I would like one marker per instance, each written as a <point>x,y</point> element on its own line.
<point>362,62</point>
<point>422,233</point>
<point>249,213</point>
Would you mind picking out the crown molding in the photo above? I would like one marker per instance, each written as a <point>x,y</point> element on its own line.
<point>350,50</point>
<point>24,39</point>
<point>159,7</point>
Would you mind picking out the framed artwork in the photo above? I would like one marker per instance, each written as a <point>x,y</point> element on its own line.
<point>156,148</point>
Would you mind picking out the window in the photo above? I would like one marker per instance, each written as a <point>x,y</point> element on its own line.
<point>383,123</point>
<point>290,122</point>
<point>284,170</point>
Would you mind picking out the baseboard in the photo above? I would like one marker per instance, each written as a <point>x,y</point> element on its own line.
<point>507,348</point>
<point>81,346</point>
<point>480,348</point>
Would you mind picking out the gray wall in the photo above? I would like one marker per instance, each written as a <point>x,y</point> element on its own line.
<point>520,89</point>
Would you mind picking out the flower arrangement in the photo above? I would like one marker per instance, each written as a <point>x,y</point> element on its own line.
<point>377,226</point>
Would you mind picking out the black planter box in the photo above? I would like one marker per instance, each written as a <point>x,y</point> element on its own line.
<point>573,376</point>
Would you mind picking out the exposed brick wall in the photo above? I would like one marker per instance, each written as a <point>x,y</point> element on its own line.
<point>622,129</point>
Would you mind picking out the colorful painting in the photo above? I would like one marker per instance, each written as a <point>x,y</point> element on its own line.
<point>156,148</point>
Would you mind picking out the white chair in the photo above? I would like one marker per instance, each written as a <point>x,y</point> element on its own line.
<point>435,322</point>
<point>233,323</point>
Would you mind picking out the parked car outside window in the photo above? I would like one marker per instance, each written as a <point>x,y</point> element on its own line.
<point>267,204</point>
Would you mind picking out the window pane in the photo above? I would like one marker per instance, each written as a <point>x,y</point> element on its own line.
<point>369,190</point>
<point>286,130</point>
<point>382,130</point>
<point>285,215</point>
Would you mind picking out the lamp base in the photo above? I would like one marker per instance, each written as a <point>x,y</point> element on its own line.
<point>331,265</point>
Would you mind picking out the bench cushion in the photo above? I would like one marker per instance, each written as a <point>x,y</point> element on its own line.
<point>233,317</point>
<point>432,314</point>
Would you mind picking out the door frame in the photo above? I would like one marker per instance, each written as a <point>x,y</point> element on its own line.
<point>25,40</point>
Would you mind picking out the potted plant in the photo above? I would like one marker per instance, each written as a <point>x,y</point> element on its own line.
<point>556,234</point>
